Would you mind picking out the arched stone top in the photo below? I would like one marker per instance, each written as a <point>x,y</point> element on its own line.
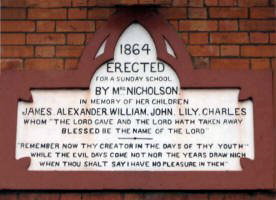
<point>160,31</point>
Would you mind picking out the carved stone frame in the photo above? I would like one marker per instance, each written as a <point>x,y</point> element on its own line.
<point>15,86</point>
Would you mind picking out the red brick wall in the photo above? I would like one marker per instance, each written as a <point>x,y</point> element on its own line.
<point>51,34</point>
<point>45,34</point>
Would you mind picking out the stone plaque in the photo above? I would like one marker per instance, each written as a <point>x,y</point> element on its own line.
<point>135,114</point>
